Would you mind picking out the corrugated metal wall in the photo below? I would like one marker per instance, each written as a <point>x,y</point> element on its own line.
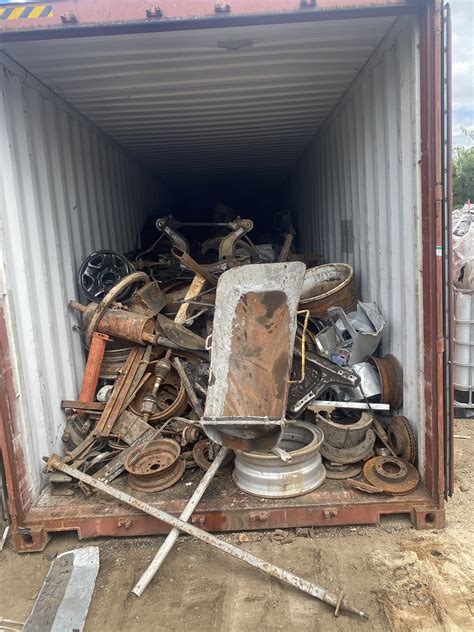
<point>357,194</point>
<point>66,190</point>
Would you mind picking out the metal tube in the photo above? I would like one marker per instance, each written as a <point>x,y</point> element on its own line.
<point>311,589</point>
<point>193,265</point>
<point>173,535</point>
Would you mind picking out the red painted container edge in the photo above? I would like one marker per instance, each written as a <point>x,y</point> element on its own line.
<point>81,18</point>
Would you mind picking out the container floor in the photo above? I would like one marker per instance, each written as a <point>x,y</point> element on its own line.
<point>405,579</point>
<point>224,508</point>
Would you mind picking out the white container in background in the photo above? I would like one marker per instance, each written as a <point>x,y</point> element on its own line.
<point>464,347</point>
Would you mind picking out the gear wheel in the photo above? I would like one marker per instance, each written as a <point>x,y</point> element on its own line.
<point>402,440</point>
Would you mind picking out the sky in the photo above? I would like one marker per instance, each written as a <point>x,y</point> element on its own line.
<point>463,70</point>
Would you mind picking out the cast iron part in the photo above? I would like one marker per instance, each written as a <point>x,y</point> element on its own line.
<point>171,398</point>
<point>401,439</point>
<point>340,471</point>
<point>204,453</point>
<point>343,433</point>
<point>320,374</point>
<point>356,453</point>
<point>155,467</point>
<point>391,379</point>
<point>391,475</point>
<point>100,271</point>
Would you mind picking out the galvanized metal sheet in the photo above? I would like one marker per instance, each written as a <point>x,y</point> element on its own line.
<point>364,168</point>
<point>207,101</point>
<point>66,189</point>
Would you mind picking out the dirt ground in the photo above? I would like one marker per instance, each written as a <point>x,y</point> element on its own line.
<point>406,580</point>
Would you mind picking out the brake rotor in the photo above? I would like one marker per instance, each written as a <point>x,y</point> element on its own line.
<point>155,467</point>
<point>203,454</point>
<point>401,439</point>
<point>340,471</point>
<point>391,475</point>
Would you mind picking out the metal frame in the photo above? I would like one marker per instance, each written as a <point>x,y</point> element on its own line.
<point>31,525</point>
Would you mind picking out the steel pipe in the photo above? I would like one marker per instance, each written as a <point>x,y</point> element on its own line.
<point>173,535</point>
<point>339,603</point>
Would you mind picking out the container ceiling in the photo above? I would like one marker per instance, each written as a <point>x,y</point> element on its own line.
<point>211,101</point>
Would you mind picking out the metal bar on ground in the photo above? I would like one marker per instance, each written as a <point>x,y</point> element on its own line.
<point>56,463</point>
<point>173,535</point>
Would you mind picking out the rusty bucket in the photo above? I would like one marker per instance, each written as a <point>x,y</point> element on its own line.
<point>330,285</point>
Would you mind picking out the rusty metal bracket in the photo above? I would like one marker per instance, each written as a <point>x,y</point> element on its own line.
<point>239,227</point>
<point>320,375</point>
<point>169,226</point>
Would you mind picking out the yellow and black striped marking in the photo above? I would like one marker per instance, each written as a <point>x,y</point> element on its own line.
<point>20,13</point>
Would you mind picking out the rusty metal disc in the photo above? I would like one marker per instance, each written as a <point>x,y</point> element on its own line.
<point>402,440</point>
<point>171,398</point>
<point>340,471</point>
<point>203,454</point>
<point>188,459</point>
<point>391,379</point>
<point>155,467</point>
<point>391,475</point>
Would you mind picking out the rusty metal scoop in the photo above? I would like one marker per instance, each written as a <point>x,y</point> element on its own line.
<point>251,354</point>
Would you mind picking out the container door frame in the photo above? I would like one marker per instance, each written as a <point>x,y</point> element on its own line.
<point>447,207</point>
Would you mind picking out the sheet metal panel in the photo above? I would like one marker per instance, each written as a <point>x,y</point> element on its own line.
<point>357,190</point>
<point>65,190</point>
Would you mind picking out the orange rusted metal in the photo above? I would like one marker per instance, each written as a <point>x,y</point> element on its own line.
<point>92,370</point>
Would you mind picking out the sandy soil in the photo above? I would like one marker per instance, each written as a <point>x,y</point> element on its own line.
<point>406,580</point>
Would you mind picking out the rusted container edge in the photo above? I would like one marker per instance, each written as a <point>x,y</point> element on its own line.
<point>91,17</point>
<point>117,521</point>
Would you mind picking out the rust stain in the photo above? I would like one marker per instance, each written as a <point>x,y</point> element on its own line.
<point>259,365</point>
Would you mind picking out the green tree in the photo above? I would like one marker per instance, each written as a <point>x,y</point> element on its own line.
<point>463,173</point>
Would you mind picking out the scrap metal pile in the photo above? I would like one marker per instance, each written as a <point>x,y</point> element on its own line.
<point>248,350</point>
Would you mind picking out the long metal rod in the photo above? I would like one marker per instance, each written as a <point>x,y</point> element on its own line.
<point>173,535</point>
<point>311,589</point>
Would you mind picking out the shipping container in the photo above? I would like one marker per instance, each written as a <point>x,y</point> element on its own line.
<point>337,110</point>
